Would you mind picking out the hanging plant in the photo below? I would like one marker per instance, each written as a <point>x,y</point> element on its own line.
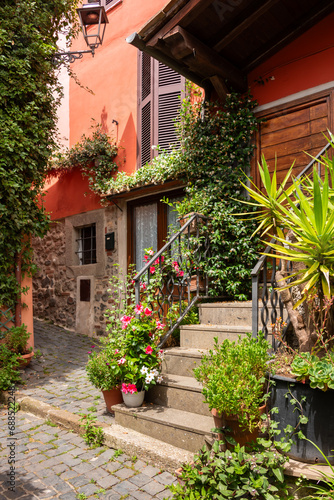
<point>94,155</point>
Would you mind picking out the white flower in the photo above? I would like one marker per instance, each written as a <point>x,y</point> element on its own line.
<point>155,372</point>
<point>149,378</point>
<point>143,370</point>
<point>160,379</point>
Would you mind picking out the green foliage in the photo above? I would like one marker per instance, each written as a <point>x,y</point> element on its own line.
<point>30,93</point>
<point>94,155</point>
<point>220,474</point>
<point>324,488</point>
<point>9,373</point>
<point>16,339</point>
<point>102,368</point>
<point>233,377</point>
<point>319,372</point>
<point>93,434</point>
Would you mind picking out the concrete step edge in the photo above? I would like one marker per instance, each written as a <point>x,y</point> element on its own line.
<point>181,382</point>
<point>153,413</point>
<point>218,328</point>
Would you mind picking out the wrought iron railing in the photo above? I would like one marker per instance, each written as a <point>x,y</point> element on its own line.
<point>179,264</point>
<point>267,304</point>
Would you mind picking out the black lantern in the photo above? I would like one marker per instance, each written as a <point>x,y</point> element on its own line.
<point>93,15</point>
<point>93,19</point>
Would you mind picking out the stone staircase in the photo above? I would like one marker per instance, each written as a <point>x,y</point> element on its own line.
<point>174,411</point>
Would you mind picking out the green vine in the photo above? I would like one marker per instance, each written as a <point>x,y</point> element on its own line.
<point>94,155</point>
<point>30,94</point>
<point>216,148</point>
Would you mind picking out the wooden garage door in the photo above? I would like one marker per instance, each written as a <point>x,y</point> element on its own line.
<point>287,134</point>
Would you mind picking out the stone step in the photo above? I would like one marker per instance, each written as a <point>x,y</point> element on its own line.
<point>182,393</point>
<point>179,428</point>
<point>228,313</point>
<point>202,336</point>
<point>181,361</point>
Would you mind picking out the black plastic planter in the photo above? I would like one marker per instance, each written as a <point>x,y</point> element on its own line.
<point>318,407</point>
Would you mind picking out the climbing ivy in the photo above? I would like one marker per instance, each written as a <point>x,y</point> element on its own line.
<point>30,94</point>
<point>94,154</point>
<point>216,148</point>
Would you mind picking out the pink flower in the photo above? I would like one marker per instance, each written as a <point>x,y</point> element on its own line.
<point>146,258</point>
<point>124,388</point>
<point>116,351</point>
<point>143,286</point>
<point>92,346</point>
<point>125,321</point>
<point>160,326</point>
<point>175,264</point>
<point>152,269</point>
<point>148,350</point>
<point>132,388</point>
<point>180,273</point>
<point>147,311</point>
<point>139,309</point>
<point>121,361</point>
<point>89,352</point>
<point>151,252</point>
<point>156,262</point>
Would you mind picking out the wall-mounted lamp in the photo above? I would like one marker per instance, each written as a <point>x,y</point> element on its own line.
<point>90,14</point>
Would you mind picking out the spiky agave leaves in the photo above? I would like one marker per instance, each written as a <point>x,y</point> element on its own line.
<point>313,227</point>
<point>271,200</point>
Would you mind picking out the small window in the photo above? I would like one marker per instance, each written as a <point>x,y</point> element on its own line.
<point>110,3</point>
<point>87,245</point>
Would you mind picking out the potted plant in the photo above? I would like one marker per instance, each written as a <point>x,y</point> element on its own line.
<point>104,373</point>
<point>140,357</point>
<point>234,384</point>
<point>16,341</point>
<point>301,220</point>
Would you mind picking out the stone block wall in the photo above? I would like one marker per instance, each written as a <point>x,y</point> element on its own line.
<point>56,284</point>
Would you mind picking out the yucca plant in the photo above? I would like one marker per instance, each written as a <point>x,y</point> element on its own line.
<point>301,219</point>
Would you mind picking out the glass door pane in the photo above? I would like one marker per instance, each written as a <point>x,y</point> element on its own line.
<point>146,233</point>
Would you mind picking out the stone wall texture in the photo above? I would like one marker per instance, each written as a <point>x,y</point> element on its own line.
<point>55,291</point>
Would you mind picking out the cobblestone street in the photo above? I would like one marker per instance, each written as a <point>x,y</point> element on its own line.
<point>54,463</point>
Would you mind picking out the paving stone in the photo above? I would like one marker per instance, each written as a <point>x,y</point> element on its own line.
<point>165,478</point>
<point>141,495</point>
<point>124,473</point>
<point>88,490</point>
<point>140,479</point>
<point>153,487</point>
<point>165,494</point>
<point>107,481</point>
<point>151,471</point>
<point>125,487</point>
<point>78,481</point>
<point>83,467</point>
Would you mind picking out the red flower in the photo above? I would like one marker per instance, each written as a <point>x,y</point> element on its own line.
<point>148,350</point>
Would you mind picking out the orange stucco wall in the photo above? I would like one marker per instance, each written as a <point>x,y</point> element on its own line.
<point>303,64</point>
<point>111,77</point>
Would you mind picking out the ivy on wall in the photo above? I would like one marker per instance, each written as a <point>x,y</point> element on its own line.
<point>94,154</point>
<point>30,94</point>
<point>216,149</point>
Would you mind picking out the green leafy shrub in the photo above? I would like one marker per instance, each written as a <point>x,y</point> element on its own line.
<point>233,474</point>
<point>233,378</point>
<point>9,373</point>
<point>16,339</point>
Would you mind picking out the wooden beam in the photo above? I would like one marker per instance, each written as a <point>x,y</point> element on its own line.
<point>206,56</point>
<point>220,87</point>
<point>290,34</point>
<point>243,25</point>
<point>190,11</point>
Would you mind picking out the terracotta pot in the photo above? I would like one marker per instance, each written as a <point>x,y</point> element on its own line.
<point>133,400</point>
<point>240,435</point>
<point>112,397</point>
<point>24,359</point>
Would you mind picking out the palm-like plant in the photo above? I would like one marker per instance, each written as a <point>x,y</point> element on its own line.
<point>301,219</point>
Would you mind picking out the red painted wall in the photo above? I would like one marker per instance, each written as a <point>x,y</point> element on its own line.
<point>111,77</point>
<point>305,63</point>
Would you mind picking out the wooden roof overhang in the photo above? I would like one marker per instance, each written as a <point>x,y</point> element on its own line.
<point>215,43</point>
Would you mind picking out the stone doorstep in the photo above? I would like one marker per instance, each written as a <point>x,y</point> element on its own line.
<point>182,361</point>
<point>170,425</point>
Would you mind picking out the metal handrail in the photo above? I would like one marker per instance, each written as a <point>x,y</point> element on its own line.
<point>262,266</point>
<point>177,291</point>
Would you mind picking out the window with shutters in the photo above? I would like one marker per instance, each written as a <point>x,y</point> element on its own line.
<point>161,90</point>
